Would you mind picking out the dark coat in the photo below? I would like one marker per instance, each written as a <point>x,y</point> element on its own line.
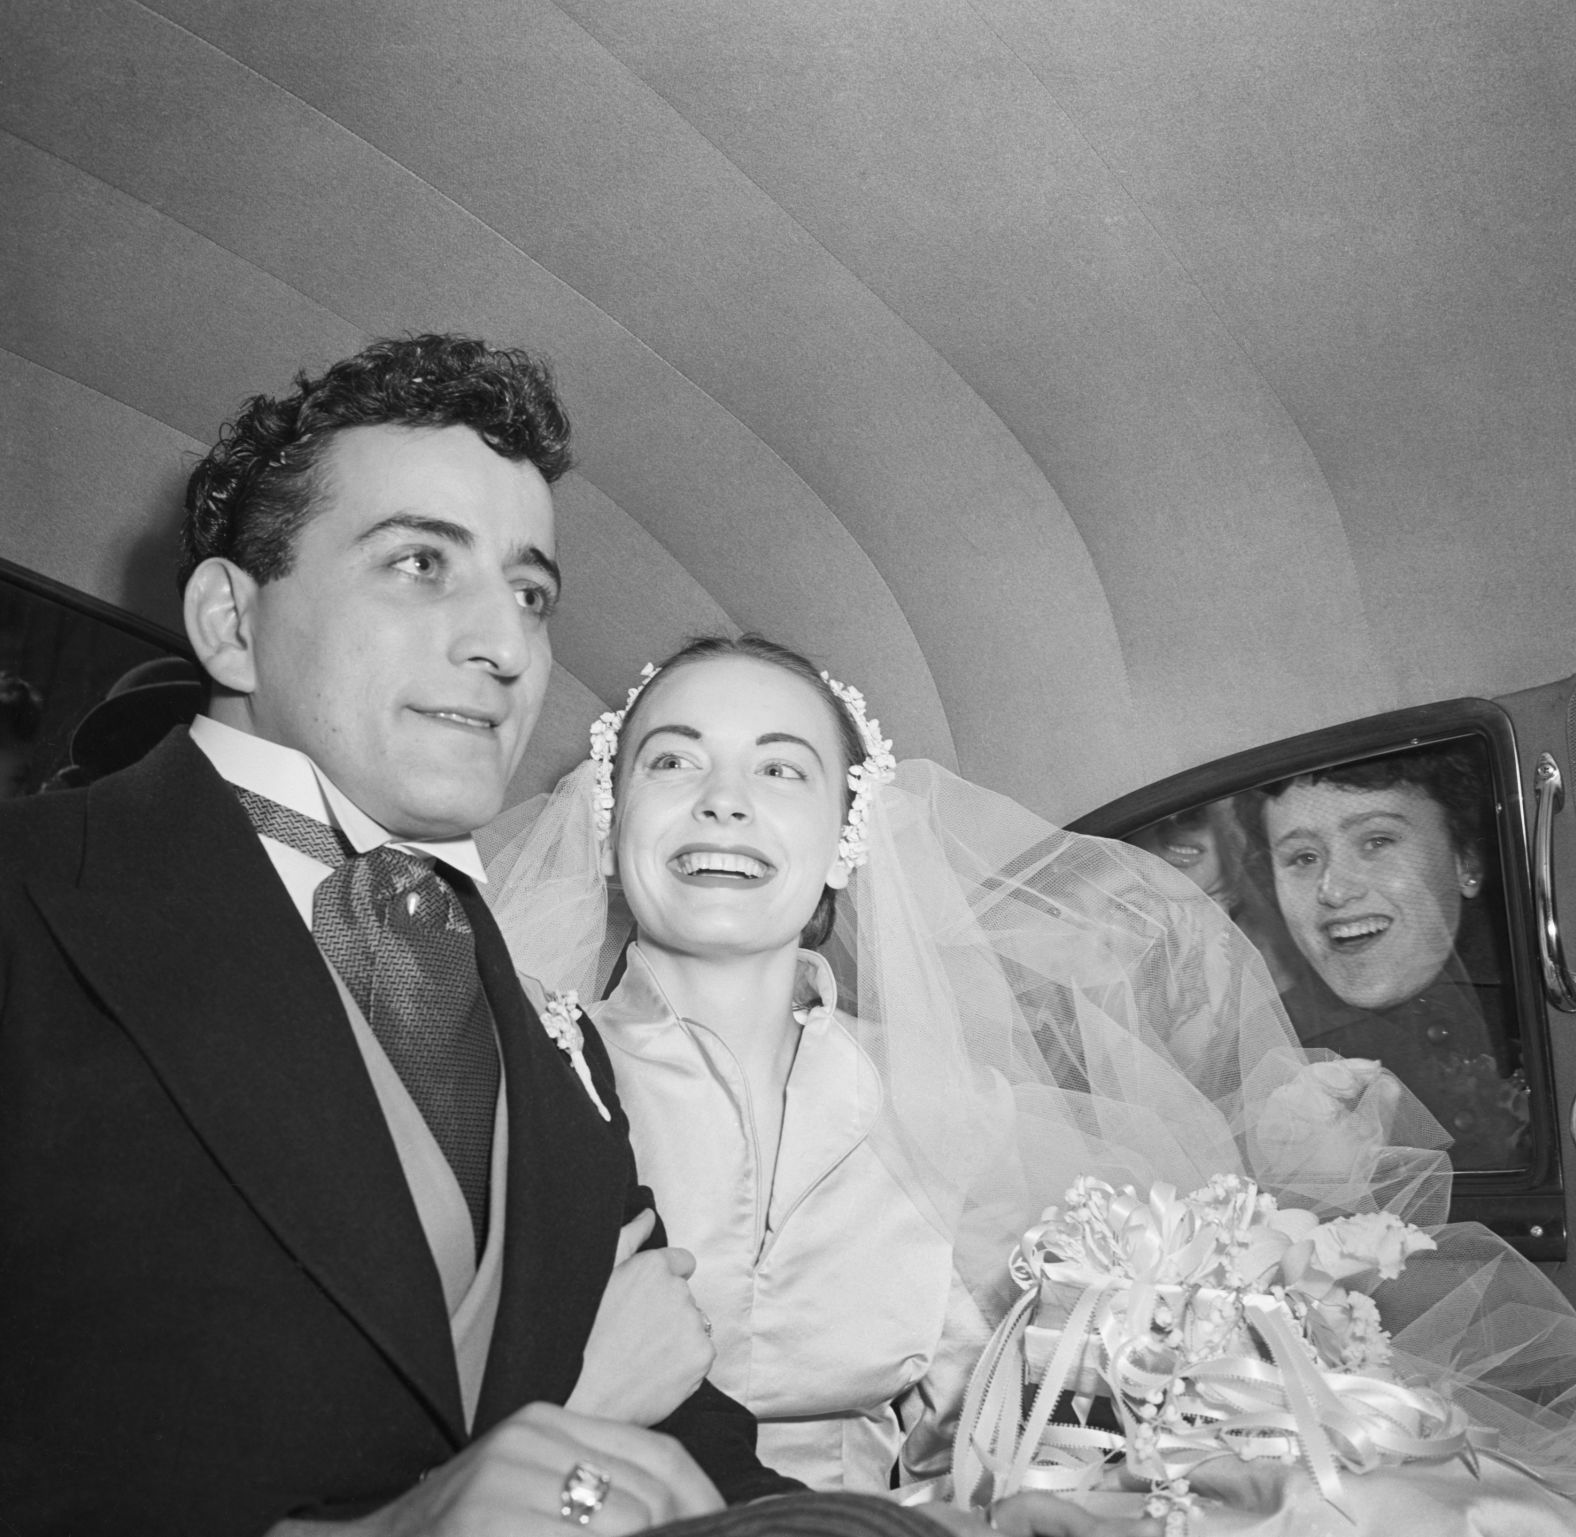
<point>217,1305</point>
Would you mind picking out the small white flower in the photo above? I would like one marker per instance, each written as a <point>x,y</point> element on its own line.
<point>560,1021</point>
<point>604,748</point>
<point>864,779</point>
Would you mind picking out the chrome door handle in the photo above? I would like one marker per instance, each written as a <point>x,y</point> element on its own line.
<point>1557,981</point>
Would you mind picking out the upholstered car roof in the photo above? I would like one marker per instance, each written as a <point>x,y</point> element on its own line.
<point>1102,386</point>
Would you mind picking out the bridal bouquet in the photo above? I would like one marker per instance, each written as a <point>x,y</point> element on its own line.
<point>1216,1322</point>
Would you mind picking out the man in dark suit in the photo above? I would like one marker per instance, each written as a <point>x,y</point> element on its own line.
<point>264,1260</point>
<point>309,1218</point>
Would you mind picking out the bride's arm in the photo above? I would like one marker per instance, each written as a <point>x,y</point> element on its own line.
<point>649,1347</point>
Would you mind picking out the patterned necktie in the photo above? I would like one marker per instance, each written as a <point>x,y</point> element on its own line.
<point>398,937</point>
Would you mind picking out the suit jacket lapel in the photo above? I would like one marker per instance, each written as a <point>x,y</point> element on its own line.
<point>186,935</point>
<point>569,1179</point>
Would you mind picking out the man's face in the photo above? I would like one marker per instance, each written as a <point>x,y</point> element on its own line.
<point>406,653</point>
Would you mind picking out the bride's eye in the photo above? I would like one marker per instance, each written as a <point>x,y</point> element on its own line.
<point>777,769</point>
<point>666,760</point>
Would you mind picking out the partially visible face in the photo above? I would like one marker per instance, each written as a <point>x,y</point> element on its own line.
<point>1370,885</point>
<point>1195,845</point>
<point>730,803</point>
<point>406,653</point>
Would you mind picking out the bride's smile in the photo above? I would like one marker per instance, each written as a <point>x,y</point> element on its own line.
<point>729,805</point>
<point>730,866</point>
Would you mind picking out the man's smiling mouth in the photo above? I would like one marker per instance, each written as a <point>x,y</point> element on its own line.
<point>458,718</point>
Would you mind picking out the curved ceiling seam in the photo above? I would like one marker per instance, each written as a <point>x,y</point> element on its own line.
<point>1115,179</point>
<point>726,611</point>
<point>195,233</point>
<point>198,446</point>
<point>337,124</point>
<point>871,566</point>
<point>810,235</point>
<point>334,125</point>
<point>475,218</point>
<point>359,325</point>
<point>901,320</point>
<point>1191,278</point>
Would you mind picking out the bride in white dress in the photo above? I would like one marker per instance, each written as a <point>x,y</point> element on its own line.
<point>874,1019</point>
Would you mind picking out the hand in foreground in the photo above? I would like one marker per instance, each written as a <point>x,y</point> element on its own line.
<point>1037,1514</point>
<point>649,1348</point>
<point>1330,1121</point>
<point>511,1483</point>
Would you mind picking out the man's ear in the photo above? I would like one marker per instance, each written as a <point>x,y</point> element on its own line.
<point>220,610</point>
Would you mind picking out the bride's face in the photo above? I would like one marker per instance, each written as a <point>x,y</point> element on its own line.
<point>730,803</point>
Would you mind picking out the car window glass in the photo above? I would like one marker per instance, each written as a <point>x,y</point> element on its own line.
<point>1373,891</point>
<point>64,652</point>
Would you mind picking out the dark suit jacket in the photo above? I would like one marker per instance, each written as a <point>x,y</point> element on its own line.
<point>217,1306</point>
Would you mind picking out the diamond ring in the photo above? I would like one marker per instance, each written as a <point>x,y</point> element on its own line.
<point>583,1492</point>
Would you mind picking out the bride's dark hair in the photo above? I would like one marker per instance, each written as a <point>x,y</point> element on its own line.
<point>757,648</point>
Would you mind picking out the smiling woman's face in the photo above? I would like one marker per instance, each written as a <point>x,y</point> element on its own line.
<point>1196,845</point>
<point>1370,885</point>
<point>730,803</point>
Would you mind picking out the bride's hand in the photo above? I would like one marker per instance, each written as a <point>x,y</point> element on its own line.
<point>1330,1120</point>
<point>649,1347</point>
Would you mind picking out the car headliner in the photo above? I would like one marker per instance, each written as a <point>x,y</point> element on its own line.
<point>1102,388</point>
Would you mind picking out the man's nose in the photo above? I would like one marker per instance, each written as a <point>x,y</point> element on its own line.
<point>492,631</point>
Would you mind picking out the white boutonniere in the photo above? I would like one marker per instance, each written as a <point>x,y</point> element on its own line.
<point>558,1017</point>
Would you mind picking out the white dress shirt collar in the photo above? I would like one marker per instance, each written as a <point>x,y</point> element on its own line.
<point>294,780</point>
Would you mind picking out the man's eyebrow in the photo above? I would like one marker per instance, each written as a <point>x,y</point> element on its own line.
<point>772,737</point>
<point>415,523</point>
<point>459,534</point>
<point>534,555</point>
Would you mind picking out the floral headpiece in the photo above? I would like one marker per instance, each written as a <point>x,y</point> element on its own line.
<point>864,778</point>
<point>604,746</point>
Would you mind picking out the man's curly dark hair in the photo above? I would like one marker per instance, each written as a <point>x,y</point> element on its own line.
<point>250,496</point>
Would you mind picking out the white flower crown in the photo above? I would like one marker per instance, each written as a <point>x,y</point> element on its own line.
<point>864,778</point>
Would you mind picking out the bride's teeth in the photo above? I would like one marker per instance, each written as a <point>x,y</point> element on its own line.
<point>719,863</point>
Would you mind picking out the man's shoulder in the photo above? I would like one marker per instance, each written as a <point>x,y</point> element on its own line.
<point>40,822</point>
<point>174,787</point>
